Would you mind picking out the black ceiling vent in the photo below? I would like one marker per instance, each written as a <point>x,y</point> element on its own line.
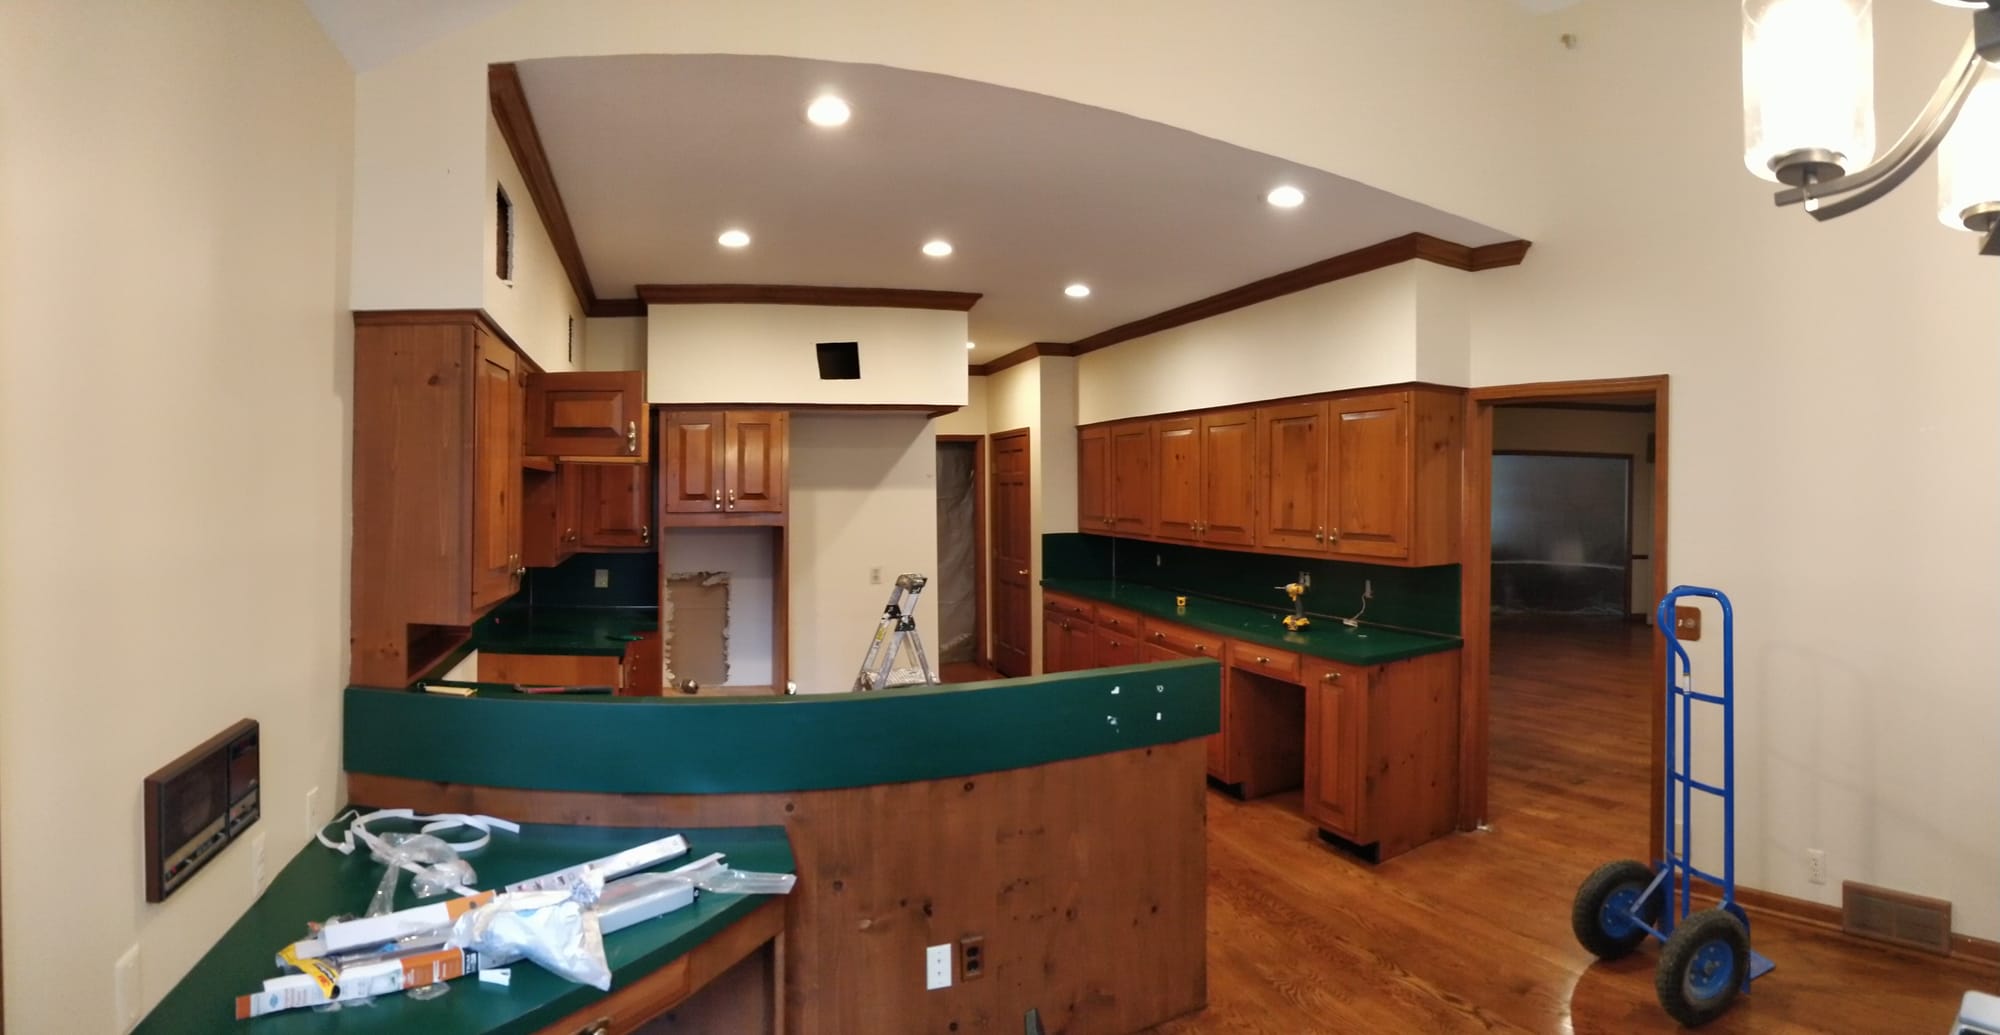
<point>839,360</point>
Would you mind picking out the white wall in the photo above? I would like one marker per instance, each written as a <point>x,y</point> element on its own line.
<point>765,354</point>
<point>1595,431</point>
<point>174,428</point>
<point>538,308</point>
<point>863,496</point>
<point>970,419</point>
<point>615,343</point>
<point>745,553</point>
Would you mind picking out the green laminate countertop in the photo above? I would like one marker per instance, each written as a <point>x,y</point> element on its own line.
<point>564,630</point>
<point>320,882</point>
<point>744,745</point>
<point>1325,638</point>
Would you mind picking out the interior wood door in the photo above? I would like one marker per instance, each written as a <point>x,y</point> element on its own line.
<point>1291,463</point>
<point>755,454</point>
<point>1229,477</point>
<point>1177,503</point>
<point>1013,601</point>
<point>617,506</point>
<point>691,458</point>
<point>588,414</point>
<point>1093,479</point>
<point>1133,481</point>
<point>1369,455</point>
<point>1336,721</point>
<point>496,503</point>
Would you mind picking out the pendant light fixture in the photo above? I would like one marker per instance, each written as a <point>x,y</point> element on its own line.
<point>1809,120</point>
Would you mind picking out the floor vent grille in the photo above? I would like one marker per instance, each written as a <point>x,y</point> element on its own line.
<point>1896,917</point>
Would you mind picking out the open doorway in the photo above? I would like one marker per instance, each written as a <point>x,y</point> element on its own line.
<point>1564,556</point>
<point>960,582</point>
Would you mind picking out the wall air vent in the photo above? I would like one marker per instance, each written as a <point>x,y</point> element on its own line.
<point>839,360</point>
<point>1896,917</point>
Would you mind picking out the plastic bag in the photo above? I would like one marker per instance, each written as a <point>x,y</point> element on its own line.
<point>559,930</point>
<point>436,864</point>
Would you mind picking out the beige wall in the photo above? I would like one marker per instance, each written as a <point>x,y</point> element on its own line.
<point>974,419</point>
<point>174,528</point>
<point>718,353</point>
<point>863,496</point>
<point>537,308</point>
<point>1595,431</point>
<point>970,419</point>
<point>615,343</point>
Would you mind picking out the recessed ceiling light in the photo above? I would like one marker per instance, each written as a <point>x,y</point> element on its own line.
<point>1286,197</point>
<point>937,249</point>
<point>968,344</point>
<point>733,239</point>
<point>1077,291</point>
<point>827,110</point>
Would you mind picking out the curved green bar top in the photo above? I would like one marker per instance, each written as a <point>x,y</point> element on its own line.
<point>733,745</point>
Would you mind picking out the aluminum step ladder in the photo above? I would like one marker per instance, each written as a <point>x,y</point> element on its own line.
<point>898,626</point>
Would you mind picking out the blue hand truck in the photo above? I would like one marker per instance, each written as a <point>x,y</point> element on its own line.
<point>1705,959</point>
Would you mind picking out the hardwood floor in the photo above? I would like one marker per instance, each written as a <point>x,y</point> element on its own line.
<point>1471,933</point>
<point>966,672</point>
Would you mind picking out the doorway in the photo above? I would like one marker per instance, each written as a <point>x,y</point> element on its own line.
<point>1564,554</point>
<point>961,563</point>
<point>1013,597</point>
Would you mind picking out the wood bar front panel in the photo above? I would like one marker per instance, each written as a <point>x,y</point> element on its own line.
<point>1086,879</point>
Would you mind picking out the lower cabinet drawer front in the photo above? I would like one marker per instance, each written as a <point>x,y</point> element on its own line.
<point>1071,607</point>
<point>552,669</point>
<point>1183,640</point>
<point>1118,648</point>
<point>1265,661</point>
<point>1111,619</point>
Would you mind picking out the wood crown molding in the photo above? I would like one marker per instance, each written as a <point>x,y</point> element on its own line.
<point>1022,355</point>
<point>805,294</point>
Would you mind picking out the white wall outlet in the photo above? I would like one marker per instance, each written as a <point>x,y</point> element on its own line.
<point>312,813</point>
<point>257,865</point>
<point>1156,560</point>
<point>125,990</point>
<point>600,578</point>
<point>1816,865</point>
<point>1305,580</point>
<point>1367,589</point>
<point>937,967</point>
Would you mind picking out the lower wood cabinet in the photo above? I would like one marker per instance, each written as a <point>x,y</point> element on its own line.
<point>1381,759</point>
<point>635,674</point>
<point>617,506</point>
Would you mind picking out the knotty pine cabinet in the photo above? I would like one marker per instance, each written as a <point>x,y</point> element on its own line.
<point>1381,750</point>
<point>552,506</point>
<point>1115,478</point>
<point>617,506</point>
<point>724,466</point>
<point>1205,484</point>
<point>589,416</point>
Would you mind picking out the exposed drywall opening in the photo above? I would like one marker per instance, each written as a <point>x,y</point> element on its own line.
<point>958,558</point>
<point>839,360</point>
<point>717,617</point>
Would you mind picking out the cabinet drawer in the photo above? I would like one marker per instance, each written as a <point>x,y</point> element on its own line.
<point>1182,640</point>
<point>1111,619</point>
<point>1265,661</point>
<point>1056,603</point>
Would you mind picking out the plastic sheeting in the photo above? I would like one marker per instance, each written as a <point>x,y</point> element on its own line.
<point>957,511</point>
<point>1561,533</point>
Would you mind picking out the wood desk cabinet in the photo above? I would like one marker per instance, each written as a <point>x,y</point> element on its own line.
<point>1381,750</point>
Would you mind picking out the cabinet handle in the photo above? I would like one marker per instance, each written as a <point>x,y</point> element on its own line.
<point>1023,571</point>
<point>1065,625</point>
<point>1262,660</point>
<point>1319,535</point>
<point>1330,677</point>
<point>645,533</point>
<point>600,1026</point>
<point>718,499</point>
<point>632,436</point>
<point>1159,636</point>
<point>1113,643</point>
<point>732,499</point>
<point>1201,648</point>
<point>1333,534</point>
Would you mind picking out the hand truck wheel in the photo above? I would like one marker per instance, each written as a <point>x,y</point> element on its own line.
<point>1603,914</point>
<point>1702,966</point>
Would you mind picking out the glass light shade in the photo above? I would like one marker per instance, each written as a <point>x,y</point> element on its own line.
<point>1808,82</point>
<point>1969,157</point>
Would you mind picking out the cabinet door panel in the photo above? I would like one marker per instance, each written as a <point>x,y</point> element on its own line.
<point>1291,441</point>
<point>1055,645</point>
<point>692,462</point>
<point>755,457</point>
<point>496,504</point>
<point>1117,648</point>
<point>1370,454</point>
<point>547,516</point>
<point>588,414</point>
<point>617,506</point>
<point>1132,484</point>
<point>1093,479</point>
<point>1177,503</point>
<point>1336,724</point>
<point>1229,477</point>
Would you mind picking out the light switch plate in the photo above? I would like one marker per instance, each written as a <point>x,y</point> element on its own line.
<point>937,967</point>
<point>125,989</point>
<point>601,578</point>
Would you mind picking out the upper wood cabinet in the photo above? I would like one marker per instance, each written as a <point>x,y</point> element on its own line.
<point>1394,460</point>
<point>587,416</point>
<point>1291,480</point>
<point>724,466</point>
<point>1229,477</point>
<point>617,506</point>
<point>496,502</point>
<point>1177,503</point>
<point>551,507</point>
<point>1134,451</point>
<point>1093,479</point>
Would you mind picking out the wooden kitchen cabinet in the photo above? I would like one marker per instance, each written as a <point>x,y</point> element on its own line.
<point>1114,648</point>
<point>691,459</point>
<point>1134,447</point>
<point>617,506</point>
<point>756,454</point>
<point>1229,478</point>
<point>590,416</point>
<point>1093,479</point>
<point>1069,644</point>
<point>1177,501</point>
<point>550,509</point>
<point>1336,718</point>
<point>552,669</point>
<point>496,503</point>
<point>1394,460</point>
<point>1381,751</point>
<point>1291,477</point>
<point>721,467</point>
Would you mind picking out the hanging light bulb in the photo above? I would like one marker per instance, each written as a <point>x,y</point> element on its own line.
<point>1969,160</point>
<point>1808,88</point>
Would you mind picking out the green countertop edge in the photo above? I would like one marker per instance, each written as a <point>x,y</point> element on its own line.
<point>318,882</point>
<point>1325,639</point>
<point>595,631</point>
<point>728,745</point>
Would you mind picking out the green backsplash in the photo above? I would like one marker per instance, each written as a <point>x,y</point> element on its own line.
<point>1424,599</point>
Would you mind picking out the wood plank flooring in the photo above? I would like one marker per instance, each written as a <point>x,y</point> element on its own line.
<point>1471,933</point>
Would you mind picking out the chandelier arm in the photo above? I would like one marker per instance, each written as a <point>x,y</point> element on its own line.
<point>1909,153</point>
<point>1991,246</point>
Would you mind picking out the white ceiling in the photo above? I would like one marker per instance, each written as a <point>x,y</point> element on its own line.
<point>655,155</point>
<point>375,32</point>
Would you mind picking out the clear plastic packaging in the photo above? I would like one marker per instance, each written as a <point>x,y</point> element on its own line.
<point>436,866</point>
<point>558,929</point>
<point>715,877</point>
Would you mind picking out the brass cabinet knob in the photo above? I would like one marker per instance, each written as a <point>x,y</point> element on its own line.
<point>732,499</point>
<point>631,436</point>
<point>718,499</point>
<point>1262,660</point>
<point>600,1026</point>
<point>1159,636</point>
<point>645,533</point>
<point>1330,677</point>
<point>1201,648</point>
<point>1023,571</point>
<point>1319,535</point>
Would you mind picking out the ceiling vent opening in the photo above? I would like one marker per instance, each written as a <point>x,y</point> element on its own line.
<point>839,360</point>
<point>1896,917</point>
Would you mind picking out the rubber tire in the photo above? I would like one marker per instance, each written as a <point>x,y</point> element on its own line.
<point>1585,913</point>
<point>1678,957</point>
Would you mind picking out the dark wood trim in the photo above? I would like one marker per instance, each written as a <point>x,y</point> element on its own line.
<point>980,652</point>
<point>615,307</point>
<point>1631,504</point>
<point>1496,256</point>
<point>805,294</point>
<point>1476,555</point>
<point>928,409</point>
<point>1606,407</point>
<point>1022,355</point>
<point>517,127</point>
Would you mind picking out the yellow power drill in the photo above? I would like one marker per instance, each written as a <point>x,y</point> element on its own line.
<point>1297,619</point>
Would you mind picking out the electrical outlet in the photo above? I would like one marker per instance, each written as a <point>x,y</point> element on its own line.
<point>312,813</point>
<point>1367,589</point>
<point>1816,865</point>
<point>125,989</point>
<point>937,967</point>
<point>1156,560</point>
<point>971,957</point>
<point>1305,580</point>
<point>257,865</point>
<point>874,576</point>
<point>600,578</point>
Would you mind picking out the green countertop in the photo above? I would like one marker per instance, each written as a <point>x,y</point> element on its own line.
<point>740,745</point>
<point>1325,638</point>
<point>564,630</point>
<point>319,883</point>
